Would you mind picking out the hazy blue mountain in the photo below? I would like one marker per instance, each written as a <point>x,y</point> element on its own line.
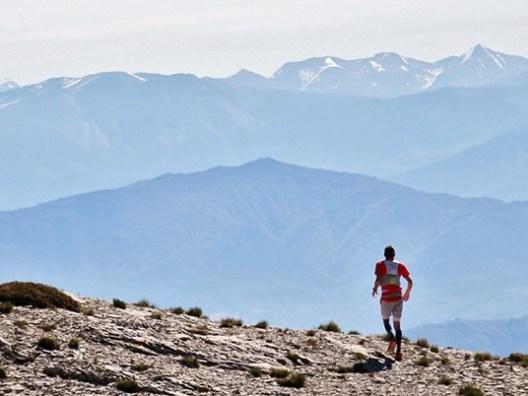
<point>388,74</point>
<point>7,85</point>
<point>500,337</point>
<point>496,168</point>
<point>267,240</point>
<point>72,135</point>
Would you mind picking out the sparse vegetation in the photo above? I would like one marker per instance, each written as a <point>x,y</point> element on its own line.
<point>312,342</point>
<point>445,380</point>
<point>120,304</point>
<point>144,303</point>
<point>48,343</point>
<point>422,342</point>
<point>21,324</point>
<point>354,332</point>
<point>74,343</point>
<point>279,373</point>
<point>311,333</point>
<point>255,371</point>
<point>482,356</point>
<point>521,358</point>
<point>37,295</point>
<point>89,312</point>
<point>230,322</point>
<point>6,307</point>
<point>48,327</point>
<point>3,373</point>
<point>128,386</point>
<point>51,371</point>
<point>469,390</point>
<point>156,315</point>
<point>424,361</point>
<point>293,357</point>
<point>330,326</point>
<point>190,361</point>
<point>202,329</point>
<point>444,360</point>
<point>141,367</point>
<point>434,349</point>
<point>177,310</point>
<point>262,325</point>
<point>195,311</point>
<point>295,380</point>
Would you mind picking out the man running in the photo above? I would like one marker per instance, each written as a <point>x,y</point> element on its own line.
<point>388,273</point>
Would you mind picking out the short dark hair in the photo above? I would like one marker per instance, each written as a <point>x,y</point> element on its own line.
<point>389,251</point>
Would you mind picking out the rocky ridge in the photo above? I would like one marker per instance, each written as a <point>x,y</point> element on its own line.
<point>160,352</point>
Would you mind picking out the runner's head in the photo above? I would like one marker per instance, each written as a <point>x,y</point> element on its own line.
<point>389,252</point>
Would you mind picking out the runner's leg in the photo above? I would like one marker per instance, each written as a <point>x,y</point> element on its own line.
<point>397,327</point>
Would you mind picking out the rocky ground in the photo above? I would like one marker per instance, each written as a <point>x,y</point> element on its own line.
<point>163,353</point>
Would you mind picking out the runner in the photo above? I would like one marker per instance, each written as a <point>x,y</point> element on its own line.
<point>388,273</point>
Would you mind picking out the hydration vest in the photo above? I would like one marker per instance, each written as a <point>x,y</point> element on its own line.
<point>390,282</point>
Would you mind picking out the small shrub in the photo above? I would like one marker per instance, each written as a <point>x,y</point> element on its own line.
<point>330,326</point>
<point>128,386</point>
<point>156,315</point>
<point>141,367</point>
<point>74,343</point>
<point>52,371</point>
<point>177,310</point>
<point>37,295</point>
<point>422,342</point>
<point>354,332</point>
<point>202,329</point>
<point>120,304</point>
<point>295,380</point>
<point>144,303</point>
<point>312,342</point>
<point>262,325</point>
<point>89,312</point>
<point>190,361</point>
<point>48,327</point>
<point>467,356</point>
<point>255,371</point>
<point>230,322</point>
<point>424,361</point>
<point>469,390</point>
<point>293,357</point>
<point>48,343</point>
<point>6,308</point>
<point>521,358</point>
<point>3,373</point>
<point>444,360</point>
<point>21,324</point>
<point>279,373</point>
<point>483,356</point>
<point>195,311</point>
<point>434,349</point>
<point>445,380</point>
<point>311,333</point>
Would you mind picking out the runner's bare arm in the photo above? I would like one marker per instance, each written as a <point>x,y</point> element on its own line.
<point>377,283</point>
<point>407,293</point>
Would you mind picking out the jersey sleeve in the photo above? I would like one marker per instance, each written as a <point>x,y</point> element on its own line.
<point>402,270</point>
<point>379,269</point>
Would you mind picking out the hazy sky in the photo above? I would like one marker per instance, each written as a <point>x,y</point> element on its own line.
<point>40,39</point>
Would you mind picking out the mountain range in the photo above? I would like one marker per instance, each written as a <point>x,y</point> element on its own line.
<point>68,135</point>
<point>291,244</point>
<point>500,337</point>
<point>389,74</point>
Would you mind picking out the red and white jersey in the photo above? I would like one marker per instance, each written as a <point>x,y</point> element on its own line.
<point>390,273</point>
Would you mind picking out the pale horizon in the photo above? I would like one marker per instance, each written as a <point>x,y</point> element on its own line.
<point>58,38</point>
